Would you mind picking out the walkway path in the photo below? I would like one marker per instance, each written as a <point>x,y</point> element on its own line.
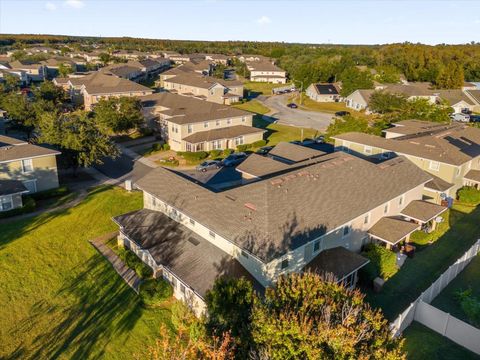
<point>130,276</point>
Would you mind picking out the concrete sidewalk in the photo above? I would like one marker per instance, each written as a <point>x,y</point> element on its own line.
<point>129,275</point>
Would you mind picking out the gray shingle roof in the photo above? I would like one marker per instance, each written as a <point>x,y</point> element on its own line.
<point>98,83</point>
<point>473,175</point>
<point>272,216</point>
<point>13,149</point>
<point>196,261</point>
<point>222,133</point>
<point>438,184</point>
<point>422,210</point>
<point>293,152</point>
<point>392,230</point>
<point>9,187</point>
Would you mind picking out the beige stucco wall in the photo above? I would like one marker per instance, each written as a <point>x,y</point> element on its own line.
<point>214,94</point>
<point>355,101</point>
<point>44,172</point>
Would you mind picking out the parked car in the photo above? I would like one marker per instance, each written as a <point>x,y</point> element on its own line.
<point>209,165</point>
<point>296,142</point>
<point>460,117</point>
<point>319,139</point>
<point>466,111</point>
<point>292,106</point>
<point>308,142</point>
<point>234,159</point>
<point>474,118</point>
<point>264,150</point>
<point>342,113</point>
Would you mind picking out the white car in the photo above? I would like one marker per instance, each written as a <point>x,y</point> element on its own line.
<point>460,117</point>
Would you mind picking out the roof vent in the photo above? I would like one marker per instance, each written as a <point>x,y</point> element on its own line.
<point>231,197</point>
<point>250,206</point>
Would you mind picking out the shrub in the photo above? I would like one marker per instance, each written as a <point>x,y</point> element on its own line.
<point>215,153</point>
<point>29,205</point>
<point>243,147</point>
<point>143,270</point>
<point>47,194</point>
<point>193,156</point>
<point>227,152</point>
<point>469,195</point>
<point>166,147</point>
<point>259,143</point>
<point>156,147</point>
<point>383,262</point>
<point>155,291</point>
<point>470,306</point>
<point>134,263</point>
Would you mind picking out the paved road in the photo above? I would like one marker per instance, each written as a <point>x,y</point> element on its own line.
<point>295,117</point>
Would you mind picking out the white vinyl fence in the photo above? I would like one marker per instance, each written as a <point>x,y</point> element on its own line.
<point>449,326</point>
<point>420,313</point>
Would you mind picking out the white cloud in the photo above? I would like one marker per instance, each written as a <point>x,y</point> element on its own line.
<point>264,20</point>
<point>50,6</point>
<point>75,4</point>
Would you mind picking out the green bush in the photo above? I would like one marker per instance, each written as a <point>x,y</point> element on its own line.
<point>156,147</point>
<point>155,291</point>
<point>227,152</point>
<point>383,262</point>
<point>259,143</point>
<point>166,147</point>
<point>29,205</point>
<point>143,270</point>
<point>193,156</point>
<point>470,306</point>
<point>469,195</point>
<point>243,147</point>
<point>134,263</point>
<point>48,194</point>
<point>215,153</point>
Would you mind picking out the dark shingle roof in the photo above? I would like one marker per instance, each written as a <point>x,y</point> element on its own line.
<point>98,83</point>
<point>392,230</point>
<point>222,133</point>
<point>473,175</point>
<point>422,210</point>
<point>272,216</point>
<point>196,261</point>
<point>337,261</point>
<point>9,187</point>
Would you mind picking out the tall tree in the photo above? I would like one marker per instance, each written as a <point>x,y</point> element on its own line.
<point>354,79</point>
<point>119,114</point>
<point>64,70</point>
<point>19,109</point>
<point>307,316</point>
<point>78,137</point>
<point>384,102</point>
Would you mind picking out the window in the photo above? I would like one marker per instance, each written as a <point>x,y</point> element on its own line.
<point>6,203</point>
<point>190,128</point>
<point>349,281</point>
<point>205,124</point>
<point>245,254</point>
<point>434,165</point>
<point>457,172</point>
<point>212,234</point>
<point>366,219</point>
<point>192,222</point>
<point>31,185</point>
<point>188,147</point>
<point>244,118</point>
<point>367,149</point>
<point>284,264</point>
<point>385,208</point>
<point>174,213</point>
<point>216,145</point>
<point>27,166</point>
<point>182,288</point>
<point>400,200</point>
<point>229,121</point>
<point>316,246</point>
<point>346,230</point>
<point>154,201</point>
<point>239,140</point>
<point>217,122</point>
<point>174,282</point>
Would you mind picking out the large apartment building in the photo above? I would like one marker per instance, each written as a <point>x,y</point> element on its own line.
<point>450,153</point>
<point>190,124</point>
<point>205,88</point>
<point>306,216</point>
<point>24,168</point>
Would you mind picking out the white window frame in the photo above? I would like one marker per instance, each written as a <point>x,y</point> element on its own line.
<point>346,227</point>
<point>229,121</point>
<point>366,219</point>
<point>386,208</point>
<point>434,165</point>
<point>34,181</point>
<point>6,199</point>
<point>217,122</point>
<point>401,200</point>
<point>190,128</point>
<point>368,150</point>
<point>205,124</point>
<point>29,163</point>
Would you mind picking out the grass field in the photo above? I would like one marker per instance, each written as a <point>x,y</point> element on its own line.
<point>421,343</point>
<point>277,133</point>
<point>60,298</point>
<point>429,263</point>
<point>261,87</point>
<point>253,106</point>
<point>469,278</point>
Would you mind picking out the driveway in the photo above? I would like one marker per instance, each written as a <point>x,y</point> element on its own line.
<point>295,117</point>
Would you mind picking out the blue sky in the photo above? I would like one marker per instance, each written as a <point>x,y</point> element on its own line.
<point>341,22</point>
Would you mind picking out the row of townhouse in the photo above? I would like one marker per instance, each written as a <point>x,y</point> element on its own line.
<point>24,168</point>
<point>301,212</point>
<point>137,70</point>
<point>467,98</point>
<point>450,153</point>
<point>88,90</point>
<point>263,69</point>
<point>190,124</point>
<point>178,58</point>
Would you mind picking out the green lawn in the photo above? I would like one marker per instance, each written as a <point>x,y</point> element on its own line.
<point>277,133</point>
<point>429,263</point>
<point>420,238</point>
<point>421,343</point>
<point>253,106</point>
<point>261,87</point>
<point>469,278</point>
<point>60,298</point>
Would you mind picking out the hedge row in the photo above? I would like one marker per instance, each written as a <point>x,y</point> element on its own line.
<point>469,195</point>
<point>154,291</point>
<point>383,262</point>
<point>48,194</point>
<point>253,145</point>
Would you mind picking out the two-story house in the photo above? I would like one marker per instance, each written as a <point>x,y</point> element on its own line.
<point>190,124</point>
<point>24,168</point>
<point>264,71</point>
<point>205,88</point>
<point>450,153</point>
<point>35,71</point>
<point>309,218</point>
